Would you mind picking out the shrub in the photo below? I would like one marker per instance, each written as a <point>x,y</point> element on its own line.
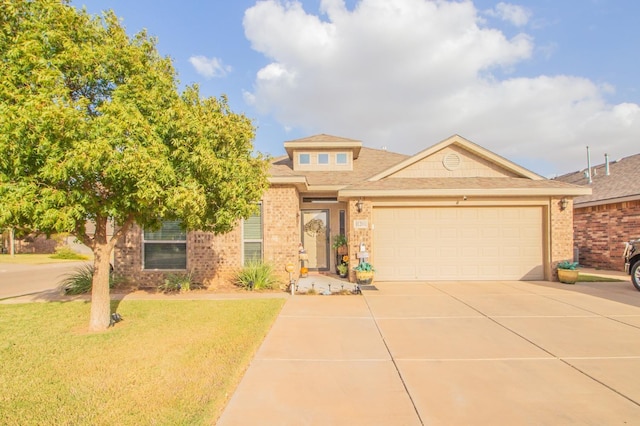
<point>566,264</point>
<point>66,253</point>
<point>256,275</point>
<point>80,280</point>
<point>177,282</point>
<point>364,267</point>
<point>342,268</point>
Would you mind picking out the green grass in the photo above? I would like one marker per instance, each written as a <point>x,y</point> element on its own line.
<point>31,259</point>
<point>167,363</point>
<point>584,278</point>
<point>67,253</point>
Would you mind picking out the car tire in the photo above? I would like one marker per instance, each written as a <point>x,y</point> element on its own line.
<point>635,275</point>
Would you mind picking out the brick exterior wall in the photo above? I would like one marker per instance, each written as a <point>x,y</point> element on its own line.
<point>210,258</point>
<point>601,231</point>
<point>281,219</point>
<point>35,244</point>
<point>561,234</point>
<point>214,259</point>
<point>357,236</point>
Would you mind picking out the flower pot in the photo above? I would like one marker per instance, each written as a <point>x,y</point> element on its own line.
<point>568,276</point>
<point>364,277</point>
<point>342,250</point>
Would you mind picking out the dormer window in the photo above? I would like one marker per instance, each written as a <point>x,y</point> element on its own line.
<point>304,159</point>
<point>341,158</point>
<point>323,158</point>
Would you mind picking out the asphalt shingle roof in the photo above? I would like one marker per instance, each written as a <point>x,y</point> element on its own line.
<point>470,183</point>
<point>369,163</point>
<point>623,181</point>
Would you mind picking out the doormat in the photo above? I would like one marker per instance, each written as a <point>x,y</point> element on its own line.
<point>369,287</point>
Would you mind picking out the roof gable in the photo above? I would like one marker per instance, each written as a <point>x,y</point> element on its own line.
<point>456,157</point>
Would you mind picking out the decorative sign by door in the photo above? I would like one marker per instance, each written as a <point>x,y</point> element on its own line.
<point>314,227</point>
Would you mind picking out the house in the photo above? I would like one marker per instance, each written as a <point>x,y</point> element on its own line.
<point>608,217</point>
<point>454,211</point>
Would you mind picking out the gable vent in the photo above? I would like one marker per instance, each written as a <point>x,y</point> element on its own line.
<point>451,161</point>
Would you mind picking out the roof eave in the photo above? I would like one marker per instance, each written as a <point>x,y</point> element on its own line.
<point>300,182</point>
<point>578,205</point>
<point>457,192</point>
<point>354,146</point>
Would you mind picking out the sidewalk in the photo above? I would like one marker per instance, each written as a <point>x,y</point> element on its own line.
<point>321,283</point>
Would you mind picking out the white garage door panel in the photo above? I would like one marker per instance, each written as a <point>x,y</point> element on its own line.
<point>458,243</point>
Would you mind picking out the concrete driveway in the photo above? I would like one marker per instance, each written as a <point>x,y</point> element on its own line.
<point>450,353</point>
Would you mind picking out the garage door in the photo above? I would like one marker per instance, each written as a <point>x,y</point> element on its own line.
<point>458,243</point>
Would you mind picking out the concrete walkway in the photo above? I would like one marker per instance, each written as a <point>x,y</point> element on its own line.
<point>450,353</point>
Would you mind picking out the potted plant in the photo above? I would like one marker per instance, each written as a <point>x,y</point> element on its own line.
<point>364,273</point>
<point>342,268</point>
<point>304,271</point>
<point>568,272</point>
<point>340,244</point>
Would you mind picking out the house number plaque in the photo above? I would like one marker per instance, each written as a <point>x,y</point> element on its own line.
<point>361,224</point>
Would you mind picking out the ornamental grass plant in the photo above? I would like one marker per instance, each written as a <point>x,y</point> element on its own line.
<point>256,276</point>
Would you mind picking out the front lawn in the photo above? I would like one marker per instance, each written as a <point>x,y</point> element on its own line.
<point>585,278</point>
<point>167,363</point>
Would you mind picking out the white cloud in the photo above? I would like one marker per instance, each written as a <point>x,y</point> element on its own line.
<point>516,15</point>
<point>409,73</point>
<point>209,67</point>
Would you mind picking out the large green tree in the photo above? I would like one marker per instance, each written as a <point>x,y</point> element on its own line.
<point>94,128</point>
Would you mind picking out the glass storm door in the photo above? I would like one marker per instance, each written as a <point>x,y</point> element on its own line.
<point>315,238</point>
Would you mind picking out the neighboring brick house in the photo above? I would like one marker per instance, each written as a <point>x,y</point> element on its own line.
<point>610,216</point>
<point>454,211</point>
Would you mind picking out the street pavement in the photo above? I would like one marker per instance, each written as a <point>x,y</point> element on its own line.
<point>19,280</point>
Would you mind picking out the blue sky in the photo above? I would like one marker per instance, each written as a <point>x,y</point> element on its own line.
<point>535,81</point>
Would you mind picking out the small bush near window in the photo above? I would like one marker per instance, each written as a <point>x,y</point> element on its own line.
<point>67,253</point>
<point>256,275</point>
<point>177,282</point>
<point>80,281</point>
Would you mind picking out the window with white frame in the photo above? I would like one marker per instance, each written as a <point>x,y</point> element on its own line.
<point>252,237</point>
<point>341,158</point>
<point>165,248</point>
<point>323,158</point>
<point>304,159</point>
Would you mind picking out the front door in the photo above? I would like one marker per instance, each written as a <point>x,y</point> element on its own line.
<point>315,238</point>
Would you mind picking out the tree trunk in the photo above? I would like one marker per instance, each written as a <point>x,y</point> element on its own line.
<point>102,248</point>
<point>12,242</point>
<point>100,298</point>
